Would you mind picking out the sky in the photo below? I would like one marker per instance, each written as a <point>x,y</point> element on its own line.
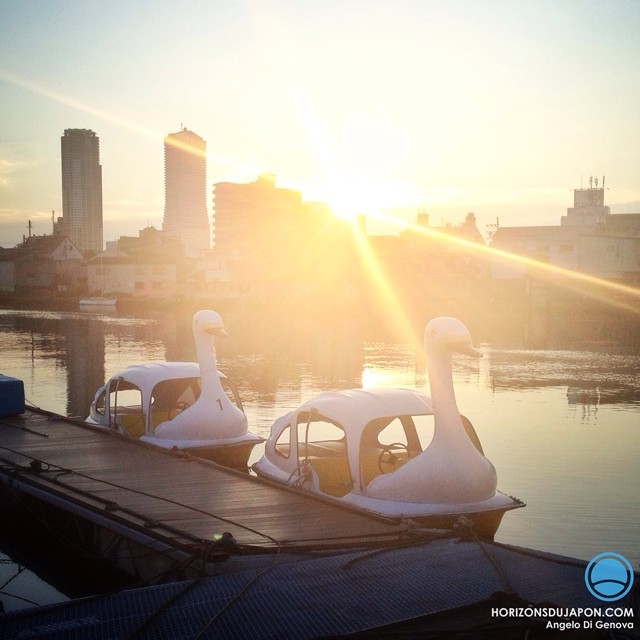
<point>500,107</point>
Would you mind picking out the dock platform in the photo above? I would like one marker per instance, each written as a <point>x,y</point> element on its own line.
<point>179,505</point>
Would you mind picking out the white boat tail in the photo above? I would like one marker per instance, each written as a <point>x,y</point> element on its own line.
<point>394,452</point>
<point>190,406</point>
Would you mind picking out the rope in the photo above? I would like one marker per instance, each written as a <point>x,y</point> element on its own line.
<point>434,535</point>
<point>157,613</point>
<point>303,471</point>
<point>465,529</point>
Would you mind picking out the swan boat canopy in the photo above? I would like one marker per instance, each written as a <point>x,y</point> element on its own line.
<point>394,452</point>
<point>189,406</point>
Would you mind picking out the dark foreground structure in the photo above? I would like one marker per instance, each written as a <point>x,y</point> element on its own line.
<point>446,589</point>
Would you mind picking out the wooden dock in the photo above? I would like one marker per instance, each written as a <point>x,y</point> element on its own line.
<point>179,505</point>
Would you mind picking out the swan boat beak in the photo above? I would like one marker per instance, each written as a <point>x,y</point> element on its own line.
<point>464,347</point>
<point>218,332</point>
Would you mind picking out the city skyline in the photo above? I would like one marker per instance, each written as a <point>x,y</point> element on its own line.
<point>493,107</point>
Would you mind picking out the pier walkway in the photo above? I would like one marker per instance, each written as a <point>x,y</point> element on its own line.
<point>167,500</point>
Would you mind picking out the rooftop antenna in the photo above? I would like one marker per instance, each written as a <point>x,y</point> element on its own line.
<point>492,228</point>
<point>603,182</point>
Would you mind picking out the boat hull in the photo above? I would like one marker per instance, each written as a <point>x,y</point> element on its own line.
<point>483,524</point>
<point>480,519</point>
<point>229,454</point>
<point>235,456</point>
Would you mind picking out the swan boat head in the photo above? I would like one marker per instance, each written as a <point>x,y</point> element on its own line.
<point>449,335</point>
<point>208,322</point>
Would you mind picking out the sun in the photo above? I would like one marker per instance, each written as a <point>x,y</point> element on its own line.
<point>349,195</point>
<point>355,160</point>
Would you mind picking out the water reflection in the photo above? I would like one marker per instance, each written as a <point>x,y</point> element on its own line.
<point>64,357</point>
<point>591,378</point>
<point>61,357</point>
<point>22,588</point>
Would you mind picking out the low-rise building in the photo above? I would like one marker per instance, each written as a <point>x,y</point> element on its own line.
<point>268,240</point>
<point>422,250</point>
<point>7,270</point>
<point>47,264</point>
<point>590,239</point>
<point>122,275</point>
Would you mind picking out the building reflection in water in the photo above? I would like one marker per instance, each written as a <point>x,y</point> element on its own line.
<point>84,363</point>
<point>69,345</point>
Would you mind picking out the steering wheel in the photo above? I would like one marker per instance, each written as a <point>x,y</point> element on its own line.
<point>177,408</point>
<point>388,457</point>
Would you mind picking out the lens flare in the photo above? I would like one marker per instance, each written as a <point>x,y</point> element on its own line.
<point>116,120</point>
<point>613,293</point>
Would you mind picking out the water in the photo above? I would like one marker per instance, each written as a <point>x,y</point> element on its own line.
<point>561,427</point>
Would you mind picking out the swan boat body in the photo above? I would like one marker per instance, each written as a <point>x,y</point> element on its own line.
<point>394,452</point>
<point>188,406</point>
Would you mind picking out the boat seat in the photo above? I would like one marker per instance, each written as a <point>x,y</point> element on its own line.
<point>159,416</point>
<point>334,449</point>
<point>132,423</point>
<point>333,474</point>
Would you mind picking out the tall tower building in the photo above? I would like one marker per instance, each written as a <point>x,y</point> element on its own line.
<point>82,188</point>
<point>185,190</point>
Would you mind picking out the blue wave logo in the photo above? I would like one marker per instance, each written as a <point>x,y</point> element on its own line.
<point>609,576</point>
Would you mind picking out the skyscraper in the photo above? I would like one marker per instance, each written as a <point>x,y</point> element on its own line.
<point>82,188</point>
<point>185,189</point>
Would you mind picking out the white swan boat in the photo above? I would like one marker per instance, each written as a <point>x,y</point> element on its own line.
<point>189,406</point>
<point>394,452</point>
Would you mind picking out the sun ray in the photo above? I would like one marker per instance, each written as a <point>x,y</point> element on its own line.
<point>344,195</point>
<point>387,301</point>
<point>336,186</point>
<point>592,286</point>
<point>116,120</point>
